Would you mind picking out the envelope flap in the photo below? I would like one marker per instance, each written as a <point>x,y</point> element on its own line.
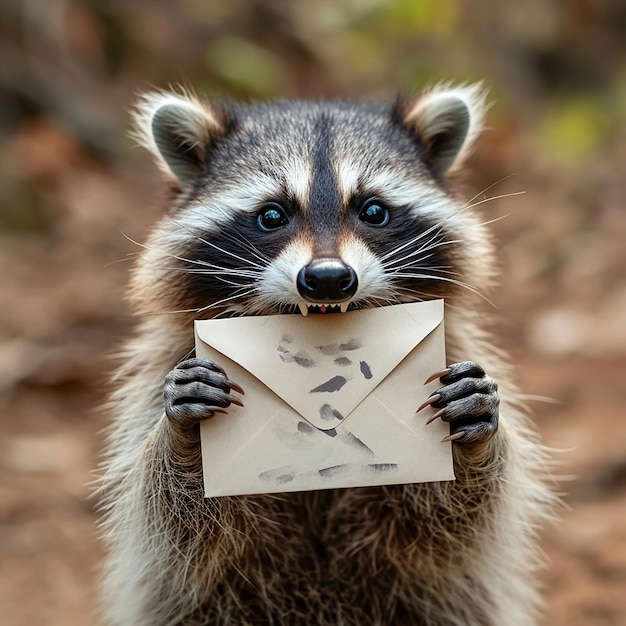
<point>323,366</point>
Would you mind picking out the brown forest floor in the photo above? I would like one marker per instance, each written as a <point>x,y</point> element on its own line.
<point>61,313</point>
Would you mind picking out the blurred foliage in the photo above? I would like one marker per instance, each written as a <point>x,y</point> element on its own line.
<point>246,67</point>
<point>71,68</point>
<point>575,127</point>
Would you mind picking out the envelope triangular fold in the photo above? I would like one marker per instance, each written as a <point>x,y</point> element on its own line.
<point>304,460</point>
<point>323,366</point>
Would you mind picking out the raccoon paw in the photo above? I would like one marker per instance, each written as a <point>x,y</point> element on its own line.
<point>196,389</point>
<point>468,401</point>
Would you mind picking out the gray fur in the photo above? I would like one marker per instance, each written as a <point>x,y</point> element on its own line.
<point>443,554</point>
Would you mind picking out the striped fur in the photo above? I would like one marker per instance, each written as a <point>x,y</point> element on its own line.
<point>441,554</point>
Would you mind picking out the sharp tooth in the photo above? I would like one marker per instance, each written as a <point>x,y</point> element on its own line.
<point>344,306</point>
<point>304,309</point>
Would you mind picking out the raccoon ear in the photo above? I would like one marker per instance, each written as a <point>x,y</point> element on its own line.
<point>447,120</point>
<point>177,129</point>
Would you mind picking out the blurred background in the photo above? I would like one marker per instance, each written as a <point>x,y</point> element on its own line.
<point>73,189</point>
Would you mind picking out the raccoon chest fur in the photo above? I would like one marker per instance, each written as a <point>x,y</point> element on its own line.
<point>299,208</point>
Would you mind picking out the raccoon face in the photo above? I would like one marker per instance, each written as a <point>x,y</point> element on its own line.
<point>290,207</point>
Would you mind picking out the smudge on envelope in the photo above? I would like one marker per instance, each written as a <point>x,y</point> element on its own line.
<point>355,442</point>
<point>305,428</point>
<point>334,384</point>
<point>301,358</point>
<point>381,467</point>
<point>280,475</point>
<point>335,348</point>
<point>365,370</point>
<point>342,361</point>
<point>329,413</point>
<point>333,470</point>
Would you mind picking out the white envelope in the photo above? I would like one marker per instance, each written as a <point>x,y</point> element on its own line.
<point>330,400</point>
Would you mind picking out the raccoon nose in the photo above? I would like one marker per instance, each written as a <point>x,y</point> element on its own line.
<point>327,280</point>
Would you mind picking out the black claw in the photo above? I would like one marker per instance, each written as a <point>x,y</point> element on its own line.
<point>235,387</point>
<point>431,401</point>
<point>197,389</point>
<point>189,363</point>
<point>468,401</point>
<point>438,414</point>
<point>479,432</point>
<point>465,388</point>
<point>437,375</point>
<point>454,436</point>
<point>464,369</point>
<point>234,400</point>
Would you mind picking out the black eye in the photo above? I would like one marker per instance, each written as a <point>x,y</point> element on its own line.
<point>272,217</point>
<point>374,213</point>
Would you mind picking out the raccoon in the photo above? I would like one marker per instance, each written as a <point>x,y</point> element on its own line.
<point>298,208</point>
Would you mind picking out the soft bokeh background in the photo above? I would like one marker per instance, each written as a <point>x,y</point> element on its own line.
<point>73,187</point>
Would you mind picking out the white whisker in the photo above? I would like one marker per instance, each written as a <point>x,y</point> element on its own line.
<point>501,180</point>
<point>223,272</point>
<point>411,242</point>
<point>239,294</point>
<point>495,219</point>
<point>393,264</point>
<point>171,256</point>
<point>452,281</point>
<point>504,195</point>
<point>248,245</point>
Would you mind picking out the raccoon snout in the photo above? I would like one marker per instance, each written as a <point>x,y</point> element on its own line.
<point>327,280</point>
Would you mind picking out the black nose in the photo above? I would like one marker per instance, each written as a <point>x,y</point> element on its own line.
<point>327,280</point>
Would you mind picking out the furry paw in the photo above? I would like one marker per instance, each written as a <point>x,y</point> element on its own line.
<point>468,401</point>
<point>196,389</point>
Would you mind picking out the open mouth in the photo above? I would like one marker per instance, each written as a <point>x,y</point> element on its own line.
<point>305,308</point>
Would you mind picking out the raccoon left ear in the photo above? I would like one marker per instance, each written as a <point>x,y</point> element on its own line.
<point>447,120</point>
<point>177,129</point>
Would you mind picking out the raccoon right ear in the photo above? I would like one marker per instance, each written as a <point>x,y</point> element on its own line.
<point>177,129</point>
<point>447,120</point>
